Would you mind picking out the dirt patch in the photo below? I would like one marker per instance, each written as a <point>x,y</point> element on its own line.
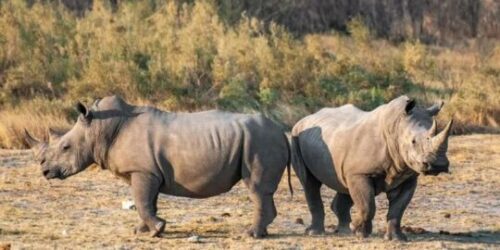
<point>460,210</point>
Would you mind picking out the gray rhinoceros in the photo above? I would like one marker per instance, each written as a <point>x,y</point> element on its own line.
<point>193,155</point>
<point>361,154</point>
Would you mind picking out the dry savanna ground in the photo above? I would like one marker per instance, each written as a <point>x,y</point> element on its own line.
<point>458,211</point>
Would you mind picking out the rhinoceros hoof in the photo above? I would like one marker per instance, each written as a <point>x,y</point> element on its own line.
<point>395,236</point>
<point>159,228</point>
<point>141,228</point>
<point>360,231</point>
<point>343,229</point>
<point>314,231</point>
<point>257,234</point>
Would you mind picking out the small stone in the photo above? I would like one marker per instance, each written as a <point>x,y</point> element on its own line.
<point>194,239</point>
<point>64,233</point>
<point>299,221</point>
<point>128,205</point>
<point>225,215</point>
<point>447,215</point>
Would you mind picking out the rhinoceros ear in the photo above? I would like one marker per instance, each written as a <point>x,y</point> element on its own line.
<point>434,109</point>
<point>410,104</point>
<point>84,111</point>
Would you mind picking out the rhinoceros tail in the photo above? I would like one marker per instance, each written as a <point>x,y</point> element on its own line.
<point>288,166</point>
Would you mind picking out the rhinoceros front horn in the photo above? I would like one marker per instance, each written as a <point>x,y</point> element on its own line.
<point>31,141</point>
<point>441,138</point>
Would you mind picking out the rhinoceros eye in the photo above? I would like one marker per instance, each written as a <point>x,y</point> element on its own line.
<point>413,141</point>
<point>66,147</point>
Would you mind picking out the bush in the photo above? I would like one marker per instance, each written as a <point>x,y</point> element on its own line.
<point>184,57</point>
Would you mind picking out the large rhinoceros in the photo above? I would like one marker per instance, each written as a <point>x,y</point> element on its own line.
<point>361,154</point>
<point>193,155</point>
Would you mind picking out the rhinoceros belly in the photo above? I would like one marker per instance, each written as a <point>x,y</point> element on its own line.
<point>319,160</point>
<point>203,161</point>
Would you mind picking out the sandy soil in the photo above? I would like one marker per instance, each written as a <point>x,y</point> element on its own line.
<point>458,211</point>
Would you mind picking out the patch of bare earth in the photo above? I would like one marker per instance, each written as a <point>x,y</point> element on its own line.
<point>459,211</point>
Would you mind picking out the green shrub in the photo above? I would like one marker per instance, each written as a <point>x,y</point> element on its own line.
<point>184,57</point>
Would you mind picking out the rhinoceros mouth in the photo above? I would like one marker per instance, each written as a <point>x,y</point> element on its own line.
<point>56,174</point>
<point>435,170</point>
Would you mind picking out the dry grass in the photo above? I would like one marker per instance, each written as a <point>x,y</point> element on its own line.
<point>185,57</point>
<point>36,116</point>
<point>85,211</point>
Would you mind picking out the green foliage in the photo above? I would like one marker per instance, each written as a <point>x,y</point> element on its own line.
<point>184,57</point>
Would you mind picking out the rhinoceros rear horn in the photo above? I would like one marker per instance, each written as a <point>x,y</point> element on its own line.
<point>433,129</point>
<point>55,135</point>
<point>30,140</point>
<point>442,137</point>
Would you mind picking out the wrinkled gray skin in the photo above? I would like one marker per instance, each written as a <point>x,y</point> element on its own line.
<point>195,155</point>
<point>361,154</point>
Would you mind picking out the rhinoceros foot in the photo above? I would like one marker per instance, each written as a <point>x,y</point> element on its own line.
<point>343,229</point>
<point>315,230</point>
<point>362,230</point>
<point>159,228</point>
<point>394,235</point>
<point>257,234</point>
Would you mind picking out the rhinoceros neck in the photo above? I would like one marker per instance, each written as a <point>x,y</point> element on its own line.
<point>390,131</point>
<point>104,133</point>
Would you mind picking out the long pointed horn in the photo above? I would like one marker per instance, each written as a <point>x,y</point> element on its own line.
<point>30,140</point>
<point>441,138</point>
<point>433,129</point>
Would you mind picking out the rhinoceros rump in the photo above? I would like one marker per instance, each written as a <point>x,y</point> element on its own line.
<point>194,155</point>
<point>361,154</point>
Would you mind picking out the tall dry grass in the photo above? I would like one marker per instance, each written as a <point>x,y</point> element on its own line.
<point>185,57</point>
<point>36,116</point>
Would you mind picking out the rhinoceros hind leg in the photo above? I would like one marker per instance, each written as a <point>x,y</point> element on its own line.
<point>363,196</point>
<point>264,213</point>
<point>312,191</point>
<point>399,199</point>
<point>341,207</point>
<point>145,189</point>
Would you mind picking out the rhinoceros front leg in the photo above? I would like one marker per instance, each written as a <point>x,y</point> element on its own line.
<point>341,206</point>
<point>363,196</point>
<point>399,198</point>
<point>143,227</point>
<point>145,189</point>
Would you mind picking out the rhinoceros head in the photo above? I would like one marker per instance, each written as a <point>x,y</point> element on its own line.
<point>64,154</point>
<point>422,148</point>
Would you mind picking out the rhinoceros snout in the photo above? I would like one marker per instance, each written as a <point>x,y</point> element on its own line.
<point>432,169</point>
<point>51,174</point>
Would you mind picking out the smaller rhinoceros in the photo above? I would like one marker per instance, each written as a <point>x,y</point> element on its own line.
<point>195,155</point>
<point>361,154</point>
